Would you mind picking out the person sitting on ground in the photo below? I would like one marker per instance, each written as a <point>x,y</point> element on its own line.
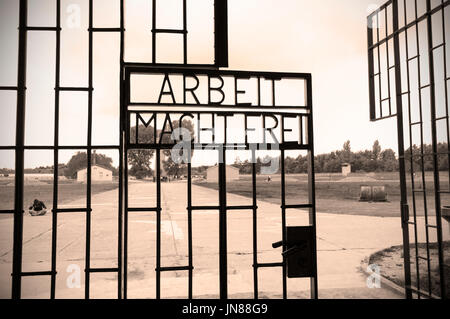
<point>37,206</point>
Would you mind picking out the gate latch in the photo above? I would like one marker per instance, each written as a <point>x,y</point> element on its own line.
<point>300,253</point>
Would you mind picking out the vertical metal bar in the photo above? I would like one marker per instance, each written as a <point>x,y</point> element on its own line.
<point>371,68</point>
<point>379,65</point>
<point>312,188</point>
<point>185,32</point>
<point>20,152</point>
<point>158,223</point>
<point>387,61</point>
<point>444,33</point>
<point>255,227</point>
<point>221,33</point>
<point>401,152</point>
<point>437,197</point>
<point>126,127</point>
<point>283,216</point>
<point>411,145</point>
<point>56,151</point>
<point>89,157</point>
<point>189,202</point>
<point>121,154</point>
<point>422,160</point>
<point>153,31</point>
<point>125,220</point>
<point>223,268</point>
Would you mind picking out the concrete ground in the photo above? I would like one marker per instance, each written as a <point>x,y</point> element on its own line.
<point>343,242</point>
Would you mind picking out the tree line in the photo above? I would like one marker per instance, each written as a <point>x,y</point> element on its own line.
<point>373,160</point>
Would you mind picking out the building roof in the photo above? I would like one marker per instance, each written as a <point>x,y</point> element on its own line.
<point>94,165</point>
<point>228,166</point>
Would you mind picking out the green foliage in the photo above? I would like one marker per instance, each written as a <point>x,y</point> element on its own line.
<point>417,160</point>
<point>140,160</point>
<point>374,160</point>
<point>171,167</point>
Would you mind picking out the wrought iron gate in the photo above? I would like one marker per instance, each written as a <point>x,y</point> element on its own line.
<point>409,80</point>
<point>303,113</point>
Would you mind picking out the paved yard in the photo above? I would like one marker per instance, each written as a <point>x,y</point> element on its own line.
<point>343,242</point>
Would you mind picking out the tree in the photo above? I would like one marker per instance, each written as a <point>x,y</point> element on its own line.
<point>175,168</point>
<point>346,155</point>
<point>79,161</point>
<point>376,150</point>
<point>140,160</point>
<point>388,161</point>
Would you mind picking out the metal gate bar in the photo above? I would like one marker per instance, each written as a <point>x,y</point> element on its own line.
<point>21,147</point>
<point>437,187</point>
<point>221,59</point>
<point>19,152</point>
<point>135,117</point>
<point>412,124</point>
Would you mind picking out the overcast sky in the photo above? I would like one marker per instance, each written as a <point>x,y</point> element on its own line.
<point>327,38</point>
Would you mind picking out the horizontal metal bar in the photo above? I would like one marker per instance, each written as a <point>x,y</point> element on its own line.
<point>423,293</point>
<point>437,46</point>
<point>169,65</point>
<point>441,118</point>
<point>432,226</point>
<point>177,268</point>
<point>425,86</point>
<point>102,270</point>
<point>251,111</point>
<point>71,210</point>
<point>244,207</point>
<point>411,223</point>
<point>7,211</point>
<point>179,31</point>
<point>77,89</point>
<point>106,29</point>
<point>293,146</point>
<point>224,106</point>
<point>43,29</point>
<point>297,206</point>
<point>413,23</point>
<point>203,208</point>
<point>268,265</point>
<point>423,258</point>
<point>381,8</point>
<point>8,88</point>
<point>216,146</point>
<point>143,209</point>
<point>414,57</point>
<point>383,117</point>
<point>215,72</point>
<point>37,273</point>
<point>60,147</point>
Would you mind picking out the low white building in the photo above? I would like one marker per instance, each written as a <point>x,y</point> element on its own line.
<point>212,174</point>
<point>98,174</point>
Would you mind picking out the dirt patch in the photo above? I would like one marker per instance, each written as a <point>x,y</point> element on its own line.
<point>390,261</point>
